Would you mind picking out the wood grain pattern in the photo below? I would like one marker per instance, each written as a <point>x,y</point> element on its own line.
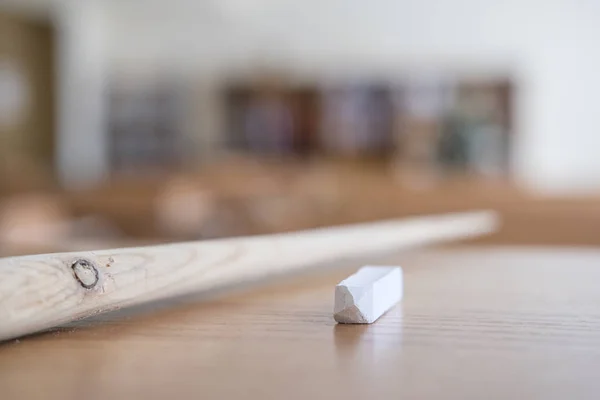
<point>39,292</point>
<point>485,323</point>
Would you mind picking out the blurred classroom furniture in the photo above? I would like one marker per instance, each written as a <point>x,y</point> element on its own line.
<point>27,108</point>
<point>243,196</point>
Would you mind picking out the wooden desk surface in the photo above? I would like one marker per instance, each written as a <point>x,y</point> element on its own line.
<point>475,323</point>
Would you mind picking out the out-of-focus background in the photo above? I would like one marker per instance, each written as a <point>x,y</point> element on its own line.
<point>149,121</point>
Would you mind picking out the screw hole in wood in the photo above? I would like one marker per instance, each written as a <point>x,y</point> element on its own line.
<point>86,273</point>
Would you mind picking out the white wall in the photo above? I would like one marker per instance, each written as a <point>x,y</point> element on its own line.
<point>313,33</point>
<point>560,131</point>
<point>549,44</point>
<point>82,154</point>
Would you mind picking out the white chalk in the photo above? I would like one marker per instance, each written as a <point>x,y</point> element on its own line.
<point>365,296</point>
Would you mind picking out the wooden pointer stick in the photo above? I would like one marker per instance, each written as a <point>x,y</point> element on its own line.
<point>43,291</point>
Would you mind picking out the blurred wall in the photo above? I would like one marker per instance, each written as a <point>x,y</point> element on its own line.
<point>548,45</point>
<point>81,63</point>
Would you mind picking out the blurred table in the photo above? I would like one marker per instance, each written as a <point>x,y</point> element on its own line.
<point>481,323</point>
